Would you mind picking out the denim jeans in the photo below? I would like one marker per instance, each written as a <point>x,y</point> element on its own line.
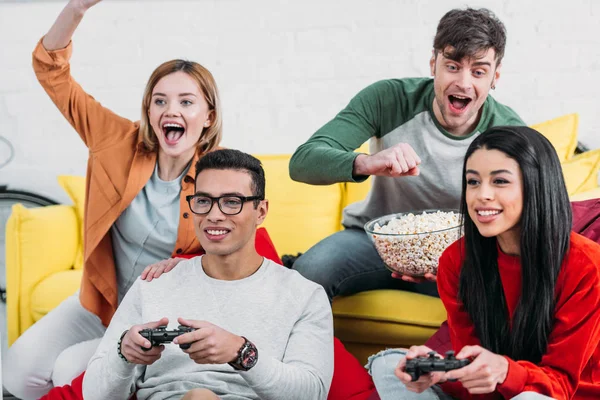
<point>381,366</point>
<point>347,262</point>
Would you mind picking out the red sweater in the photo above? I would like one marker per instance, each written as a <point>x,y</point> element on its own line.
<point>570,369</point>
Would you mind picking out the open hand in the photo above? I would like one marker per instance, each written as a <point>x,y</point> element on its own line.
<point>483,374</point>
<point>155,270</point>
<point>398,160</point>
<point>210,343</point>
<point>133,343</point>
<point>425,381</point>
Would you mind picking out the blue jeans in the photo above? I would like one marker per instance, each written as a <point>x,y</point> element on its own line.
<point>381,366</point>
<point>347,262</point>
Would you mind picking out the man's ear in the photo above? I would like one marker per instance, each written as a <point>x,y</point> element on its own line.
<point>496,75</point>
<point>263,209</point>
<point>432,62</point>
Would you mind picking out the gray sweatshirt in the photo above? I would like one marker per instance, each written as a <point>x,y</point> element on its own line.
<point>286,316</point>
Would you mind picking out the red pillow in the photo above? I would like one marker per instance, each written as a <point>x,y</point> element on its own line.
<point>351,381</point>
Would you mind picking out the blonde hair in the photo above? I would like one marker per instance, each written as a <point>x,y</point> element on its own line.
<point>211,136</point>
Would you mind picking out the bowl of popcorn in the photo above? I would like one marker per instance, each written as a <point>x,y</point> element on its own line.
<point>412,243</point>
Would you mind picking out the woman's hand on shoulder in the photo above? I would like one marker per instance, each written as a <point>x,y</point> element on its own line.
<point>425,381</point>
<point>155,270</point>
<point>484,373</point>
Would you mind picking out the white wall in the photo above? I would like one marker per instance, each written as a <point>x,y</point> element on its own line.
<point>284,67</point>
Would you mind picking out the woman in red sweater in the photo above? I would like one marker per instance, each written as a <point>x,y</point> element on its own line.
<point>521,290</point>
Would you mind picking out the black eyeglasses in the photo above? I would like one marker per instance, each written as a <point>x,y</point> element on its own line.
<point>229,205</point>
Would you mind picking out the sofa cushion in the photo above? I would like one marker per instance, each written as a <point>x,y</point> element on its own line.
<point>562,133</point>
<point>368,322</point>
<point>300,215</point>
<point>590,194</point>
<point>581,172</point>
<point>75,188</point>
<point>50,292</point>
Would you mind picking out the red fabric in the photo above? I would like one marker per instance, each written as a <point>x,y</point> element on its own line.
<point>351,381</point>
<point>569,368</point>
<point>74,391</point>
<point>586,218</point>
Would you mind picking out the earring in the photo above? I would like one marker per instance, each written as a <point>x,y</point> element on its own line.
<point>493,87</point>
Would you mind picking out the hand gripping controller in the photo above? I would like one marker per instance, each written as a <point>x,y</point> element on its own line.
<point>161,335</point>
<point>423,365</point>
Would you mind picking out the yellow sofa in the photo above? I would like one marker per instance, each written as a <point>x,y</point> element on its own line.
<point>43,249</point>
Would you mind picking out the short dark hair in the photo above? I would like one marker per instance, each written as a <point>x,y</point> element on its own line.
<point>469,33</point>
<point>236,160</point>
<point>545,223</point>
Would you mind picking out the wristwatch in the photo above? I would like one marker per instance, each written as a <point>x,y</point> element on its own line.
<point>247,356</point>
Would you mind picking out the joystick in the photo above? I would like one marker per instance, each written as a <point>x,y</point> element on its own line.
<point>423,365</point>
<point>160,335</point>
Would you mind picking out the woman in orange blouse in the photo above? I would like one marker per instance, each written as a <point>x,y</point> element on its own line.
<point>136,215</point>
<point>521,290</point>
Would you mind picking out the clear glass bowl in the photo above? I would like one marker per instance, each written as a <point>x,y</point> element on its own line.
<point>413,254</point>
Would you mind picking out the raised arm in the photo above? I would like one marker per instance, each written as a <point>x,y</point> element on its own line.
<point>59,35</point>
<point>97,126</point>
<point>328,156</point>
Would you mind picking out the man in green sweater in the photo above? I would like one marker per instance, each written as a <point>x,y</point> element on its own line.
<point>420,129</point>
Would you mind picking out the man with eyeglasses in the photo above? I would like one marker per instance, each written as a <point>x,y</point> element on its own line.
<point>260,331</point>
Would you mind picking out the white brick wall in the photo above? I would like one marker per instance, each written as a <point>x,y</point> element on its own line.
<point>284,67</point>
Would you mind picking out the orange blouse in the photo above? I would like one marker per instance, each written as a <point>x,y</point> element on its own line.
<point>118,168</point>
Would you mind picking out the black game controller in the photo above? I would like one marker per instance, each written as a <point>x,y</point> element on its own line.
<point>423,365</point>
<point>161,335</point>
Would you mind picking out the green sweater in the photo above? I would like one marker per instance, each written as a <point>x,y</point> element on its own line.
<point>389,112</point>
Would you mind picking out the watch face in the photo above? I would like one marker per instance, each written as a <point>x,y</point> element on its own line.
<point>249,357</point>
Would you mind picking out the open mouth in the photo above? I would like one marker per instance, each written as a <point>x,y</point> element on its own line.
<point>173,132</point>
<point>459,103</point>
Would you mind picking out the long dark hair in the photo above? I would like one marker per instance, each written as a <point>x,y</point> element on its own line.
<point>545,227</point>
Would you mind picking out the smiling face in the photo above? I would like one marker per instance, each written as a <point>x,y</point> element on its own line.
<point>178,114</point>
<point>461,88</point>
<point>220,234</point>
<point>494,196</point>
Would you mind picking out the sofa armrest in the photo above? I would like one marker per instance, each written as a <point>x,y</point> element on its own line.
<point>39,242</point>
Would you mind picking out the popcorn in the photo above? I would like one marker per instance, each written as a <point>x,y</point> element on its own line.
<point>412,244</point>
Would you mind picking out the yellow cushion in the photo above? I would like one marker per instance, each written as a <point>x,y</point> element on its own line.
<point>39,242</point>
<point>581,172</point>
<point>75,188</point>
<point>299,214</point>
<point>371,321</point>
<point>562,133</point>
<point>590,194</point>
<point>50,292</point>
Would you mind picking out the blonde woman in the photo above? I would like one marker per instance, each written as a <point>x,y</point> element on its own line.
<point>138,176</point>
